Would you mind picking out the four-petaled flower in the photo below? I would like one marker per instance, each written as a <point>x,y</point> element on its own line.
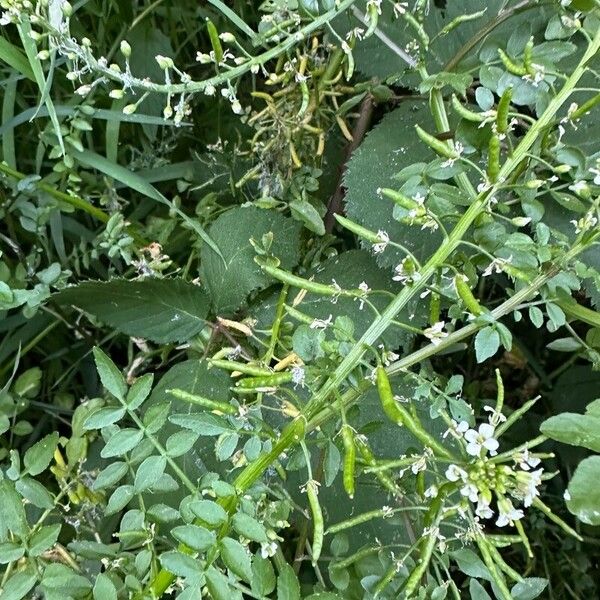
<point>482,440</point>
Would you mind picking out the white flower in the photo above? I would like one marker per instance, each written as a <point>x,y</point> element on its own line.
<point>298,376</point>
<point>483,510</point>
<point>365,289</point>
<point>400,8</point>
<point>470,491</point>
<point>596,173</point>
<point>419,465</point>
<point>496,266</point>
<point>527,486</point>
<point>268,549</point>
<point>383,240</point>
<point>525,461</point>
<point>495,417</point>
<point>321,323</point>
<point>456,429</point>
<point>508,514</point>
<point>481,440</point>
<point>436,333</point>
<point>431,492</point>
<point>567,495</point>
<point>454,473</point>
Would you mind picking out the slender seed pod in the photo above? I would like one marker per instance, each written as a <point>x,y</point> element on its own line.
<point>420,483</point>
<point>230,365</point>
<point>384,479</point>
<point>215,42</point>
<point>435,305</point>
<point>222,407</point>
<point>399,198</point>
<point>349,65</point>
<point>317,518</point>
<point>437,145</point>
<point>468,115</point>
<point>585,108</point>
<point>502,112</point>
<point>267,381</point>
<point>493,168</point>
<point>510,65</point>
<point>528,57</point>
<point>466,295</point>
<point>428,545</point>
<point>305,97</point>
<point>385,580</point>
<point>349,459</point>
<point>350,560</point>
<point>373,15</point>
<point>401,416</point>
<point>360,231</point>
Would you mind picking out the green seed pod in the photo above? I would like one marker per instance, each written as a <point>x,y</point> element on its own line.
<point>222,407</point>
<point>349,459</point>
<point>399,198</point>
<point>437,145</point>
<point>468,115</point>
<point>493,168</point>
<point>528,57</point>
<point>215,42</point>
<point>502,112</point>
<point>252,383</point>
<point>466,295</point>
<point>510,65</point>
<point>317,518</point>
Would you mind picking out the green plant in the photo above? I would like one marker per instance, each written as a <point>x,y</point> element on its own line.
<point>239,362</point>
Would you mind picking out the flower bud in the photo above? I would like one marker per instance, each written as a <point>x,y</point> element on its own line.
<point>164,62</point>
<point>116,94</point>
<point>125,49</point>
<point>67,9</point>
<point>130,109</point>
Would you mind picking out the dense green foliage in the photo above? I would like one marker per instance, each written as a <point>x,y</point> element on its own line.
<point>299,299</point>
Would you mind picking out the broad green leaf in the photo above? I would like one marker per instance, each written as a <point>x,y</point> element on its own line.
<point>181,442</point>
<point>149,472</point>
<point>33,491</point>
<point>584,491</point>
<point>288,586</point>
<point>139,391</point>
<point>104,588</point>
<point>112,379</point>
<point>201,423</point>
<point>38,457</point>
<point>180,564</point>
<point>386,150</point>
<point>237,558</point>
<point>194,536</point>
<point>19,585</point>
<point>122,442</point>
<point>110,476</point>
<point>231,279</point>
<point>104,417</point>
<point>249,527</point>
<point>219,588</point>
<point>529,588</point>
<point>487,342</point>
<point>208,511</point>
<point>574,429</point>
<point>119,499</point>
<point>43,539</point>
<point>477,591</point>
<point>12,512</point>
<point>10,552</point>
<point>263,575</point>
<point>470,564</point>
<point>161,310</point>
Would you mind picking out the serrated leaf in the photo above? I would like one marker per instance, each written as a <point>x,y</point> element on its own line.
<point>9,552</point>
<point>104,417</point>
<point>12,512</point>
<point>201,423</point>
<point>210,512</point>
<point>34,492</point>
<point>386,150</point>
<point>529,588</point>
<point>230,282</point>
<point>161,310</point>
<point>181,442</point>
<point>43,539</point>
<point>218,586</point>
<point>119,499</point>
<point>19,585</point>
<point>180,564</point>
<point>236,558</point>
<point>104,588</point>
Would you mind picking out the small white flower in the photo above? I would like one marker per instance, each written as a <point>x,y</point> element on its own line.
<point>527,486</point>
<point>436,333</point>
<point>482,440</point>
<point>596,173</point>
<point>483,510</point>
<point>431,491</point>
<point>470,491</point>
<point>454,473</point>
<point>321,323</point>
<point>508,514</point>
<point>567,495</point>
<point>383,241</point>
<point>298,376</point>
<point>495,417</point>
<point>525,461</point>
<point>400,8</point>
<point>457,430</point>
<point>268,549</point>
